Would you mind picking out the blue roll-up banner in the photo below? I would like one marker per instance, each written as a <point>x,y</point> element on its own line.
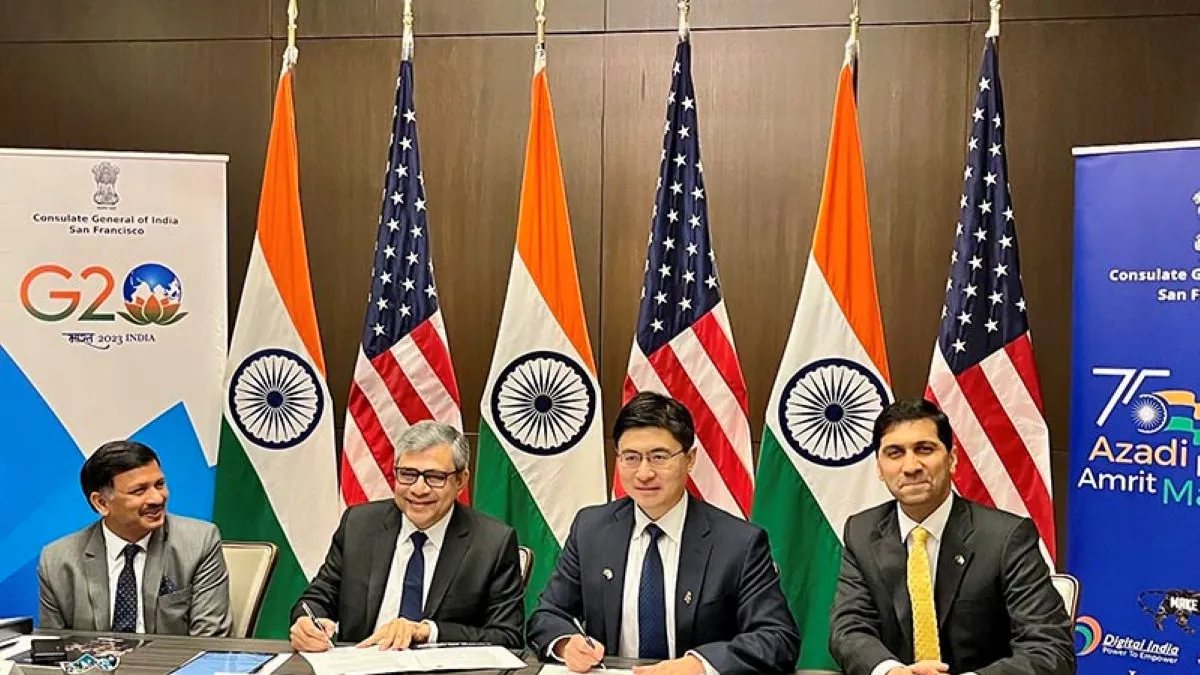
<point>1134,503</point>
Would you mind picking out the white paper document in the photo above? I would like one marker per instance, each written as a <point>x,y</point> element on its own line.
<point>371,661</point>
<point>21,645</point>
<point>5,667</point>
<point>552,669</point>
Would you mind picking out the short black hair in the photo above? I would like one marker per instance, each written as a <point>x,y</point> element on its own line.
<point>653,410</point>
<point>912,410</point>
<point>110,459</point>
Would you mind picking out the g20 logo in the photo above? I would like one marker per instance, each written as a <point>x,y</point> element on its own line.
<point>152,294</point>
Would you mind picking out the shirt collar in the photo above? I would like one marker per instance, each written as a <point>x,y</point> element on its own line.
<point>671,522</point>
<point>114,545</point>
<point>435,532</point>
<point>934,524</point>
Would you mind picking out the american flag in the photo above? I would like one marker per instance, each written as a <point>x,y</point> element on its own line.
<point>983,373</point>
<point>403,374</point>
<point>684,346</point>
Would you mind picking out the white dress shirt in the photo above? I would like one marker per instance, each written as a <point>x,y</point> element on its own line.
<point>390,607</point>
<point>114,546</point>
<point>935,525</point>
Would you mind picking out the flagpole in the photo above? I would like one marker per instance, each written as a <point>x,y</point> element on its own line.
<point>539,48</point>
<point>685,6</point>
<point>406,44</point>
<point>994,26</point>
<point>852,41</point>
<point>291,54</point>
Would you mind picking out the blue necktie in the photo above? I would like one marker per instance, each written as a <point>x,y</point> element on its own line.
<point>125,609</point>
<point>652,603</point>
<point>412,601</point>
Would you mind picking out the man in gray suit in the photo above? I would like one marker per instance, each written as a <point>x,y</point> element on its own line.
<point>137,570</point>
<point>932,583</point>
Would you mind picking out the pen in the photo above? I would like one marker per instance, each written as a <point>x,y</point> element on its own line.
<point>313,618</point>
<point>591,643</point>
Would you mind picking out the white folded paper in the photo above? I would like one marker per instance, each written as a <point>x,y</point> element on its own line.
<point>372,661</point>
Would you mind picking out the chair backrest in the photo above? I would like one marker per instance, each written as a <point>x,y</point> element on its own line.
<point>525,554</point>
<point>1068,587</point>
<point>250,567</point>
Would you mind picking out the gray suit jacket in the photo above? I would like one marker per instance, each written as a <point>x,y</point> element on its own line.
<point>185,586</point>
<point>997,612</point>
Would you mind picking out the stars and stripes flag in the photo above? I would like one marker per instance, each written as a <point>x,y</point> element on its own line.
<point>403,374</point>
<point>983,373</point>
<point>684,345</point>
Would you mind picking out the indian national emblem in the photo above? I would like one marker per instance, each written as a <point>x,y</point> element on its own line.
<point>105,174</point>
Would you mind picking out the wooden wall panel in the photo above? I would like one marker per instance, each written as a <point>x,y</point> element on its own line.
<point>913,116</point>
<point>663,15</point>
<point>1082,9</point>
<point>472,99</point>
<point>114,20</point>
<point>344,18</point>
<point>161,96</point>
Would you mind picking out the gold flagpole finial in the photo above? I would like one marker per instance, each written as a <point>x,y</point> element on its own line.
<point>685,6</point>
<point>852,41</point>
<point>994,26</point>
<point>407,42</point>
<point>291,54</point>
<point>539,49</point>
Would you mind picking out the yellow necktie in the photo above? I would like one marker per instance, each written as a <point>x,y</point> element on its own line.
<point>920,592</point>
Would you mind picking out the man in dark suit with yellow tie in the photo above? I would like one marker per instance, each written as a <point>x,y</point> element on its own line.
<point>662,576</point>
<point>932,583</point>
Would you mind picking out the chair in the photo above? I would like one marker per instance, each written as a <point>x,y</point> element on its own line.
<point>1068,587</point>
<point>250,567</point>
<point>525,554</point>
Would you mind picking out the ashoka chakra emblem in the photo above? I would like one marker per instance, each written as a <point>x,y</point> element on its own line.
<point>543,403</point>
<point>275,399</point>
<point>827,411</point>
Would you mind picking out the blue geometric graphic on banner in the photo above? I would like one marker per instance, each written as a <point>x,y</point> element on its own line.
<point>40,495</point>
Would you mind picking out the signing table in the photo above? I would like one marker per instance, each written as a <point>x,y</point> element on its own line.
<point>165,653</point>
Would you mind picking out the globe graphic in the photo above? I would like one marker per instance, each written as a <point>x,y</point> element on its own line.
<point>152,280</point>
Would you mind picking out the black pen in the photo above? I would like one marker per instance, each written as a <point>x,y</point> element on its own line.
<point>591,643</point>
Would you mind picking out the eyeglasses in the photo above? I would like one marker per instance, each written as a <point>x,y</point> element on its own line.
<point>434,479</point>
<point>657,458</point>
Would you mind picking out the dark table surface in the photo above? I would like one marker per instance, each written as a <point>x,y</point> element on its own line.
<point>167,652</point>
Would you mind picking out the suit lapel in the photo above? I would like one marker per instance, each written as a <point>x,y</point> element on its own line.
<point>954,555</point>
<point>152,575</point>
<point>454,549</point>
<point>381,565</point>
<point>893,567</point>
<point>95,571</point>
<point>694,552</point>
<point>612,571</point>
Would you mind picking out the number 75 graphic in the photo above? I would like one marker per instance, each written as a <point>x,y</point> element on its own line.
<point>1131,379</point>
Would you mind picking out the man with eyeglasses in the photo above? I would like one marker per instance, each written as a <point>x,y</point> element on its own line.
<point>660,575</point>
<point>416,569</point>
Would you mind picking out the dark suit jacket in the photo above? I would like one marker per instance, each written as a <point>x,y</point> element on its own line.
<point>997,612</point>
<point>728,603</point>
<point>475,594</point>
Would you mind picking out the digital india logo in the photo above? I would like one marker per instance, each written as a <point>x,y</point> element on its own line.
<point>1087,635</point>
<point>153,295</point>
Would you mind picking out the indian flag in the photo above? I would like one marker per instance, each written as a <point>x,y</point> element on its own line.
<point>276,473</point>
<point>541,444</point>
<point>815,467</point>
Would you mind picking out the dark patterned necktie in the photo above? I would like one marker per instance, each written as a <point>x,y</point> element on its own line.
<point>125,610</point>
<point>652,604</point>
<point>412,601</point>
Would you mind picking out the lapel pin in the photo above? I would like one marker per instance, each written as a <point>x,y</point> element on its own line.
<point>687,598</point>
<point>607,574</point>
<point>959,559</point>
